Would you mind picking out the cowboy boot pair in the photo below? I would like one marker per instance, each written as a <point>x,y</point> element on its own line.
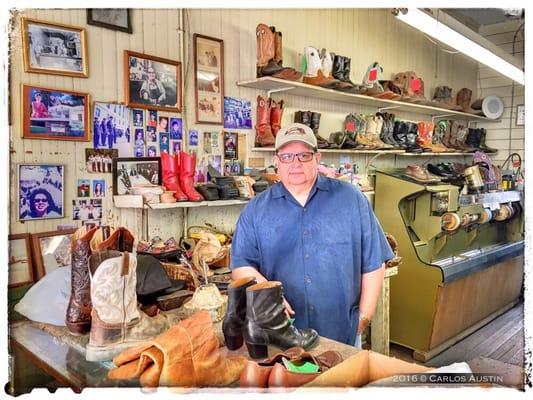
<point>269,54</point>
<point>269,114</point>
<point>318,69</point>
<point>84,243</point>
<point>341,72</point>
<point>312,120</point>
<point>178,175</point>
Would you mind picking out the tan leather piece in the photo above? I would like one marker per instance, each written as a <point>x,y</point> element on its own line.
<point>265,44</point>
<point>190,357</point>
<point>255,374</point>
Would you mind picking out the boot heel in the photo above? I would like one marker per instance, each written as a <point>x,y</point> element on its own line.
<point>257,350</point>
<point>233,342</point>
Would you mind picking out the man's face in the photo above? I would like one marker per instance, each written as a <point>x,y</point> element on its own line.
<point>41,202</point>
<point>297,172</point>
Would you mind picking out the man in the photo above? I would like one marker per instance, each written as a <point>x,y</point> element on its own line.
<point>319,237</point>
<point>152,90</point>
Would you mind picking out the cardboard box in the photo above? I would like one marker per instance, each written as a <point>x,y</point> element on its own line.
<point>363,368</point>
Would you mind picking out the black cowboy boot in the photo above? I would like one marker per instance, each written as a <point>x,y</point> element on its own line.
<point>236,314</point>
<point>267,324</point>
<point>482,144</point>
<point>338,73</point>
<point>399,133</point>
<point>411,135</point>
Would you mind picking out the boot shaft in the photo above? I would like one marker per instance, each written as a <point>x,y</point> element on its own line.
<point>264,304</point>
<point>313,62</point>
<point>338,67</point>
<point>278,46</point>
<point>276,113</point>
<point>315,122</point>
<point>347,63</point>
<point>265,45</point>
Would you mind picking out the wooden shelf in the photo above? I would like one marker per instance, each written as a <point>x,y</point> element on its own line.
<point>273,85</point>
<point>136,201</point>
<point>396,152</point>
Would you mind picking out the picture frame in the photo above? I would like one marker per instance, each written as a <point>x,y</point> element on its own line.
<point>131,171</point>
<point>117,19</point>
<point>51,48</point>
<point>209,79</point>
<point>87,209</point>
<point>111,127</point>
<point>54,114</point>
<point>51,250</point>
<point>20,264</point>
<point>520,115</point>
<point>152,82</point>
<point>40,191</point>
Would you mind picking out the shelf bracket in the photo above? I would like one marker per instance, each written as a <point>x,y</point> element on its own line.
<point>269,92</point>
<point>381,109</point>
<point>440,116</point>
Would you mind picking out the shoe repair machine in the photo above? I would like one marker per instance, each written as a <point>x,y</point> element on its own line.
<point>462,259</point>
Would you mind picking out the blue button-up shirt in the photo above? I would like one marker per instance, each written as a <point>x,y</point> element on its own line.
<point>318,251</point>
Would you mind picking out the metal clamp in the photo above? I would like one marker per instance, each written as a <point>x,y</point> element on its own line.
<point>387,108</point>
<point>269,92</point>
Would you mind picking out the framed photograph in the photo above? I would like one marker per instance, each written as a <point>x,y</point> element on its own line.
<point>237,113</point>
<point>51,250</point>
<point>20,261</point>
<point>138,117</point>
<point>50,48</point>
<point>209,79</point>
<point>520,114</point>
<point>230,145</point>
<point>88,209</point>
<point>99,161</point>
<point>152,82</point>
<point>84,188</point>
<point>151,135</point>
<point>54,114</point>
<point>111,127</point>
<point>40,188</point>
<point>131,172</point>
<point>164,142</point>
<point>98,187</point>
<point>117,19</point>
<point>176,146</point>
<point>176,128</point>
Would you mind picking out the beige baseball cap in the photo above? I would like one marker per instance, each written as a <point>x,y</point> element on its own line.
<point>296,132</point>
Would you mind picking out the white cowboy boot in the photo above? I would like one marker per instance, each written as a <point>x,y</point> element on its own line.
<point>313,71</point>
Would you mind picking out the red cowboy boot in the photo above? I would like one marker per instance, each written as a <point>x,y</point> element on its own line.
<point>276,111</point>
<point>187,166</point>
<point>263,130</point>
<point>171,181</point>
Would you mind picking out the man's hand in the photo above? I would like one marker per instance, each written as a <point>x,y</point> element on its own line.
<point>363,323</point>
<point>288,309</point>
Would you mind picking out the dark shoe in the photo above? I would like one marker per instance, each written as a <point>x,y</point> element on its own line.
<point>482,144</point>
<point>267,324</point>
<point>236,314</point>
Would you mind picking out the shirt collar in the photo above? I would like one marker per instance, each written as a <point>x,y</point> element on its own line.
<point>322,183</point>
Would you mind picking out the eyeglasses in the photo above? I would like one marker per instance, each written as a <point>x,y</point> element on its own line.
<point>41,200</point>
<point>304,156</point>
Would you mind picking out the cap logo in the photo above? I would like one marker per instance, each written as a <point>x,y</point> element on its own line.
<point>295,130</point>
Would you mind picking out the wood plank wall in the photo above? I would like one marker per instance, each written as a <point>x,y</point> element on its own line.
<point>365,35</point>
<point>506,136</point>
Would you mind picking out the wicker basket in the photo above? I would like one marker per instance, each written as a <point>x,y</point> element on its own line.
<point>179,271</point>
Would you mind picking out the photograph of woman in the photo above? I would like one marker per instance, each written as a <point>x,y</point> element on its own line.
<point>99,188</point>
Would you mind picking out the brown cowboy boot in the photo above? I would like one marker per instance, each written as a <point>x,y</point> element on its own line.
<point>265,53</point>
<point>286,73</point>
<point>78,317</point>
<point>263,130</point>
<point>463,99</point>
<point>276,112</point>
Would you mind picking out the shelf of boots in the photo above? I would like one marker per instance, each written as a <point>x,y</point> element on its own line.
<point>396,152</point>
<point>273,85</point>
<point>136,201</point>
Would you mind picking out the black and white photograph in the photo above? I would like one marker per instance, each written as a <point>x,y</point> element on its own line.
<point>138,116</point>
<point>111,128</point>
<point>152,82</point>
<point>54,48</point>
<point>131,172</point>
<point>117,19</point>
<point>83,210</point>
<point>100,161</point>
<point>40,191</point>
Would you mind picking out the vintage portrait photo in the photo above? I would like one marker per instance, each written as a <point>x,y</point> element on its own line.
<point>100,161</point>
<point>176,129</point>
<point>20,260</point>
<point>151,151</point>
<point>40,191</point>
<point>163,124</point>
<point>152,82</point>
<point>237,113</point>
<point>54,48</point>
<point>164,143</point>
<point>176,146</point>
<point>209,79</point>
<point>138,116</point>
<point>84,188</point>
<point>230,145</point>
<point>54,114</point>
<point>130,172</point>
<point>139,137</point>
<point>152,118</point>
<point>111,127</point>
<point>98,187</point>
<point>151,134</point>
<point>117,19</point>
<point>138,151</point>
<point>193,137</point>
<point>86,209</point>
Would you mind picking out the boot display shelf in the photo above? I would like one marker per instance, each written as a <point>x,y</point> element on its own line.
<point>395,152</point>
<point>276,85</point>
<point>136,201</point>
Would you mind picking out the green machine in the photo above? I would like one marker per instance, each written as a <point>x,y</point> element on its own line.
<point>462,259</point>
